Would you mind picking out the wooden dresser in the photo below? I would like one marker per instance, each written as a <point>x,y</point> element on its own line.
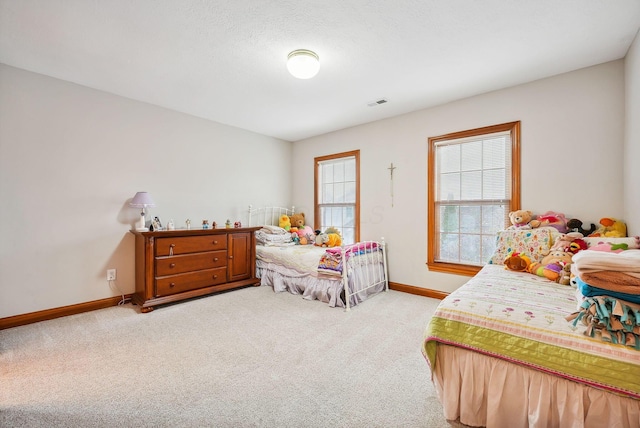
<point>179,264</point>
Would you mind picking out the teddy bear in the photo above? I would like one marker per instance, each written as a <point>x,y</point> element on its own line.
<point>565,275</point>
<point>285,222</point>
<point>610,227</point>
<point>297,220</point>
<point>521,219</point>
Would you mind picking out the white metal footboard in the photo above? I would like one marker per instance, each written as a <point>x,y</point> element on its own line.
<point>364,256</point>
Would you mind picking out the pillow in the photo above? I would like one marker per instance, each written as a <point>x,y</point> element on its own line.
<point>632,241</point>
<point>534,243</point>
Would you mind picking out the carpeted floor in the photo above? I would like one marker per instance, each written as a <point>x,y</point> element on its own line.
<point>246,358</point>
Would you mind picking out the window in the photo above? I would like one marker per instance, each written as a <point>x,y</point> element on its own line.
<point>474,182</point>
<point>337,194</point>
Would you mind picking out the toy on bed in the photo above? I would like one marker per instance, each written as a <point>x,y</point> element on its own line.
<point>551,265</point>
<point>520,219</point>
<point>329,238</point>
<point>285,222</point>
<point>305,234</point>
<point>551,219</point>
<point>517,262</point>
<point>570,242</point>
<point>611,228</point>
<point>575,225</point>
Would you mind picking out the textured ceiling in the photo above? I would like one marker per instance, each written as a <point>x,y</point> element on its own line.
<point>225,60</point>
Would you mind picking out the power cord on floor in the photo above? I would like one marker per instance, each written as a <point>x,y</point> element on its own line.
<point>124,300</point>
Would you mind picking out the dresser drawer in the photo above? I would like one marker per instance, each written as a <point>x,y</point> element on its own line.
<point>190,244</point>
<point>171,265</point>
<point>190,281</point>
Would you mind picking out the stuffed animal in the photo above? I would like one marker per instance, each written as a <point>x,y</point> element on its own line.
<point>563,243</point>
<point>297,220</point>
<point>551,265</point>
<point>329,238</point>
<point>517,262</point>
<point>520,219</point>
<point>321,239</point>
<point>553,219</point>
<point>565,275</point>
<point>306,235</point>
<point>578,245</point>
<point>285,222</point>
<point>575,225</point>
<point>609,247</point>
<point>610,227</point>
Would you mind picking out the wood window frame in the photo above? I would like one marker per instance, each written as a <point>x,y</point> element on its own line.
<point>514,129</point>
<point>316,196</point>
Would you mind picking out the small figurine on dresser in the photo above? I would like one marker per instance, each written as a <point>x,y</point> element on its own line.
<point>188,223</point>
<point>237,225</point>
<point>214,225</point>
<point>205,224</point>
<point>228,224</point>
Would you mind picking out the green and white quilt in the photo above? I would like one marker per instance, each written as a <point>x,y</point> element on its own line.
<point>521,318</point>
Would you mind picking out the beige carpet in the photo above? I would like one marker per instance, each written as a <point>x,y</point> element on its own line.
<point>246,358</point>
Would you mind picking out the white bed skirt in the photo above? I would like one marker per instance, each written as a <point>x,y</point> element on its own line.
<point>327,290</point>
<point>485,391</point>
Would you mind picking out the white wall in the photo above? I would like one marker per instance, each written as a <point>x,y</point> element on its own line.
<point>632,139</point>
<point>572,159</point>
<point>72,157</point>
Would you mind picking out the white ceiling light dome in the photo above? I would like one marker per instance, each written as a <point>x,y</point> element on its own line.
<point>303,63</point>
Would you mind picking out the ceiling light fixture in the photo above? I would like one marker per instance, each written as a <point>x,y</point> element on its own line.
<point>303,63</point>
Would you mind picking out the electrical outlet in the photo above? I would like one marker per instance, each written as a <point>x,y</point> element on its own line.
<point>111,274</point>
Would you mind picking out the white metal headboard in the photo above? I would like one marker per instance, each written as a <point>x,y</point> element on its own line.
<point>267,215</point>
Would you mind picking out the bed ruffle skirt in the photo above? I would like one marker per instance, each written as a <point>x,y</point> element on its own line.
<point>327,290</point>
<point>485,391</point>
<point>310,287</point>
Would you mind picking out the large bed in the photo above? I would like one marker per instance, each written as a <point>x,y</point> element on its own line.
<point>341,276</point>
<point>505,351</point>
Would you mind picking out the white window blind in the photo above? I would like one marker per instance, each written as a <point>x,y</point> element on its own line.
<point>472,196</point>
<point>337,196</point>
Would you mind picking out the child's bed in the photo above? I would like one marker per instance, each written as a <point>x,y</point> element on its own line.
<point>502,353</point>
<point>318,273</point>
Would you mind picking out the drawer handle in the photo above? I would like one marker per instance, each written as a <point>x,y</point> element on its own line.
<point>172,265</point>
<point>171,249</point>
<point>173,284</point>
<point>172,245</point>
<point>215,276</point>
<point>215,242</point>
<point>215,259</point>
<point>230,257</point>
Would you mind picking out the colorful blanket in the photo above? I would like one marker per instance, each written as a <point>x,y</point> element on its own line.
<point>520,318</point>
<point>614,320</point>
<point>331,262</point>
<point>588,290</point>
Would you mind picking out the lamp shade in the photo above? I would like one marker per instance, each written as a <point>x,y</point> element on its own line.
<point>142,200</point>
<point>303,63</point>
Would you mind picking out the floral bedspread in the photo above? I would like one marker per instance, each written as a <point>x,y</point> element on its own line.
<point>520,317</point>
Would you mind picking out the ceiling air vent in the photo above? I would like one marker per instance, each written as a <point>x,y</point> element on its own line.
<point>377,102</point>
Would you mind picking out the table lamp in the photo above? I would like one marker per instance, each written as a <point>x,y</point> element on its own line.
<point>142,200</point>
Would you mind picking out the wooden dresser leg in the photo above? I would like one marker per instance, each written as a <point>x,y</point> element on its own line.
<point>146,309</point>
